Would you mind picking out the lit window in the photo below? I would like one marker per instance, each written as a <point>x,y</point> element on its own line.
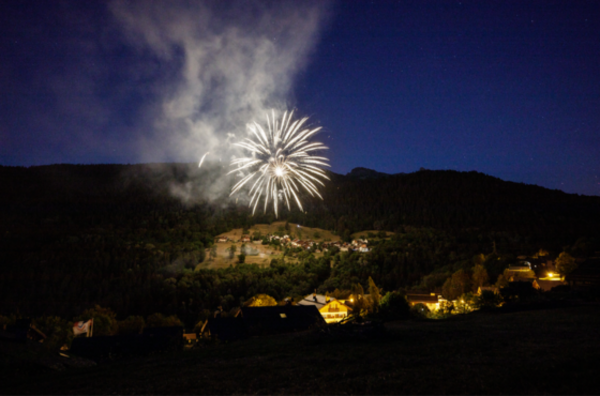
<point>282,315</point>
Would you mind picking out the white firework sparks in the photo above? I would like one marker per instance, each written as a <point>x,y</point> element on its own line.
<point>281,162</point>
<point>202,159</point>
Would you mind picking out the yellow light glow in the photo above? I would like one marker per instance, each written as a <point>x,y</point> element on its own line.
<point>550,274</point>
<point>351,300</point>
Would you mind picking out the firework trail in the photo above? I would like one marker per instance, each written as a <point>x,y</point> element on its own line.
<point>202,159</point>
<point>280,162</point>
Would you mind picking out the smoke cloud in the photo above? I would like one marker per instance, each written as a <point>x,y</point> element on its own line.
<point>221,64</point>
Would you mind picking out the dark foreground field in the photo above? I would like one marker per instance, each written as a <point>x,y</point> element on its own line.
<point>552,351</point>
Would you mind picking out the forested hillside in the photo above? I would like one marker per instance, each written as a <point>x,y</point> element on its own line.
<point>129,236</point>
<point>455,200</point>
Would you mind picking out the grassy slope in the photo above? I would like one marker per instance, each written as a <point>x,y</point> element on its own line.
<point>267,252</point>
<point>364,234</point>
<point>546,351</point>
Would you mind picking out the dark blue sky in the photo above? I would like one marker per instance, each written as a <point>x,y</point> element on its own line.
<point>507,88</point>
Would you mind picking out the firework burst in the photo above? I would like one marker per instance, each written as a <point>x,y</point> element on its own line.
<point>280,163</point>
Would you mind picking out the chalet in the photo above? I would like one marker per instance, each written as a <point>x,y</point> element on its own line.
<point>331,310</point>
<point>306,245</point>
<point>549,284</point>
<point>335,311</point>
<point>245,239</point>
<point>431,301</point>
<point>521,272</point>
<point>481,289</point>
<point>522,278</point>
<point>222,239</point>
<point>363,248</point>
<point>550,281</point>
<point>523,266</point>
<point>318,300</point>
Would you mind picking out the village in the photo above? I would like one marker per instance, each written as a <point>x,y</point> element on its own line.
<point>358,245</point>
<point>263,242</point>
<point>356,313</point>
<point>357,310</point>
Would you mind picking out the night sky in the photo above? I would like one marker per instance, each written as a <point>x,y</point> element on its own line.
<point>507,88</point>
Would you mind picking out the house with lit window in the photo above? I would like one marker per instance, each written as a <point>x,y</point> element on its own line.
<point>331,310</point>
<point>431,301</point>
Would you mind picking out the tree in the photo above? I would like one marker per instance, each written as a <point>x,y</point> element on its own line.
<point>257,236</point>
<point>57,330</point>
<point>420,310</point>
<point>480,276</point>
<point>131,325</point>
<point>213,252</point>
<point>565,264</point>
<point>232,249</point>
<point>105,320</point>
<point>456,286</point>
<point>359,304</point>
<point>487,300</point>
<point>261,300</point>
<point>393,306</point>
<point>479,259</point>
<point>346,235</point>
<point>160,320</point>
<point>375,295</point>
<point>464,303</point>
<point>241,258</point>
<point>501,282</point>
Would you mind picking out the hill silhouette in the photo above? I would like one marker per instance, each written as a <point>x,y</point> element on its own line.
<point>128,236</point>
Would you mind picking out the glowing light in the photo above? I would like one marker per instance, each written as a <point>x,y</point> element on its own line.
<point>550,274</point>
<point>280,162</point>
<point>202,159</point>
